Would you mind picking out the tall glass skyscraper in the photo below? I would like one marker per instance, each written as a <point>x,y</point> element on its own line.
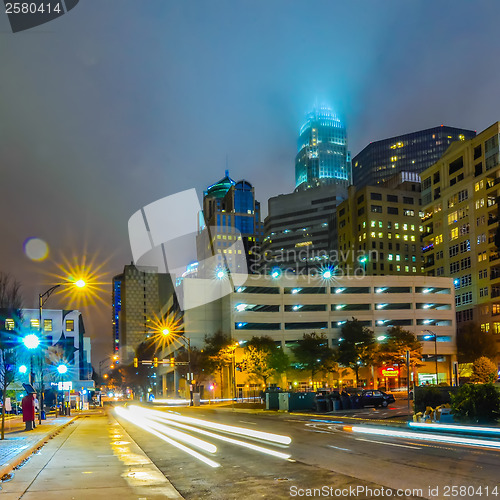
<point>322,156</point>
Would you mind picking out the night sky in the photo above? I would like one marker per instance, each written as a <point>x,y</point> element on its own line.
<point>121,102</point>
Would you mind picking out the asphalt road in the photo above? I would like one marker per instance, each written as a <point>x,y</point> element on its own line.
<point>322,455</point>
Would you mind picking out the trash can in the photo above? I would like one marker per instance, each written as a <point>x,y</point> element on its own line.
<point>320,404</point>
<point>345,401</point>
<point>334,401</point>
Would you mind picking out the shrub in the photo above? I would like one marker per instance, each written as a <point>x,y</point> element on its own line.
<point>476,403</point>
<point>430,396</point>
<point>484,371</point>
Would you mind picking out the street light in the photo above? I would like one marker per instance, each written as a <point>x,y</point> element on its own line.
<point>42,299</point>
<point>428,337</point>
<point>62,369</point>
<point>166,333</point>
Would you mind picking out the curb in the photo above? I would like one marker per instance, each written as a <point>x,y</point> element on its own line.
<point>6,468</point>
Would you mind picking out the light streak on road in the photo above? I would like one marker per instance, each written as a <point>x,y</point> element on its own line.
<point>457,428</point>
<point>389,444</point>
<point>424,437</point>
<point>172,402</point>
<point>128,416</point>
<point>231,429</point>
<point>237,442</point>
<point>160,424</point>
<point>181,436</point>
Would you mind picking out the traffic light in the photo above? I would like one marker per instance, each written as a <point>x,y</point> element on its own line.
<point>155,362</point>
<point>172,361</point>
<point>136,362</point>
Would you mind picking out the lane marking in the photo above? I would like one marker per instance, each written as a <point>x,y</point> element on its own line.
<point>337,447</point>
<point>247,422</point>
<point>389,444</point>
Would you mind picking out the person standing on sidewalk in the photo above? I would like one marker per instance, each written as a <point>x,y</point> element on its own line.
<point>28,407</point>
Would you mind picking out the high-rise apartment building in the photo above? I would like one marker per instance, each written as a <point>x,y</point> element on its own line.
<point>379,228</point>
<point>413,152</point>
<point>296,230</point>
<point>139,293</point>
<point>460,196</point>
<point>322,156</point>
<point>230,213</point>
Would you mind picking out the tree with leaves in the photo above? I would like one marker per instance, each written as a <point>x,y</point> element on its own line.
<point>392,349</point>
<point>356,346</point>
<point>263,358</point>
<point>472,343</point>
<point>484,371</point>
<point>217,355</point>
<point>11,307</point>
<point>313,354</point>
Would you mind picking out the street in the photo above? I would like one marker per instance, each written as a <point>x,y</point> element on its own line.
<point>223,453</point>
<point>321,454</point>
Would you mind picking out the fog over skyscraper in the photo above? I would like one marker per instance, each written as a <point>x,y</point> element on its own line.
<point>322,157</point>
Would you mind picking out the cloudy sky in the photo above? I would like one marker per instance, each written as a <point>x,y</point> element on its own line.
<point>121,102</point>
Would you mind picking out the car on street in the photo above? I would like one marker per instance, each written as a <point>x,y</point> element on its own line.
<point>376,398</point>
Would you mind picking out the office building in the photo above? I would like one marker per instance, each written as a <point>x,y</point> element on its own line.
<point>230,227</point>
<point>286,307</point>
<point>379,228</point>
<point>296,231</point>
<point>322,157</point>
<point>138,295</point>
<point>460,204</point>
<point>413,152</point>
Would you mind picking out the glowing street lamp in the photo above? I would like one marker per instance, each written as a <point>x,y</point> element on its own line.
<point>31,341</point>
<point>23,369</point>
<point>62,369</point>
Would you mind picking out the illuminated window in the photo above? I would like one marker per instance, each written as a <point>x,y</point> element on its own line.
<point>390,256</point>
<point>398,268</point>
<point>412,237</point>
<point>70,325</point>
<point>372,223</point>
<point>405,237</point>
<point>412,227</point>
<point>389,235</point>
<point>405,227</point>
<point>364,224</point>
<point>372,234</point>
<point>47,325</point>
<point>35,324</point>
<point>421,229</point>
<point>414,269</point>
<point>380,223</point>
<point>380,235</point>
<point>397,236</point>
<point>396,225</point>
<point>9,324</point>
<point>454,233</point>
<point>496,328</point>
<point>480,203</point>
<point>398,257</point>
<point>439,239</point>
<point>407,268</point>
<point>452,218</point>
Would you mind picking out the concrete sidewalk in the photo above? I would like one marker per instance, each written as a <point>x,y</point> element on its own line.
<point>20,444</point>
<point>92,458</point>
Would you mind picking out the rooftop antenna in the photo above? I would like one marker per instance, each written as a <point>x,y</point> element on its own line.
<point>227,167</point>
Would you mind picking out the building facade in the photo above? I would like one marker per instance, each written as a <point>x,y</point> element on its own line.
<point>379,228</point>
<point>231,215</point>
<point>62,342</point>
<point>296,231</point>
<point>138,295</point>
<point>323,157</point>
<point>413,152</point>
<point>460,203</point>
<point>287,307</point>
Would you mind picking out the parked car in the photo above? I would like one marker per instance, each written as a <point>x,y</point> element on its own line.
<point>376,398</point>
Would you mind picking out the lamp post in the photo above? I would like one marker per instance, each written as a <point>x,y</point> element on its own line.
<point>42,299</point>
<point>62,369</point>
<point>428,337</point>
<point>166,332</point>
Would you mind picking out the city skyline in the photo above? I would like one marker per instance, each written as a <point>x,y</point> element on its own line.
<point>95,128</point>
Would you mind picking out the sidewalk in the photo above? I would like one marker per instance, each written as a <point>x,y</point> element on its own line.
<point>19,444</point>
<point>92,458</point>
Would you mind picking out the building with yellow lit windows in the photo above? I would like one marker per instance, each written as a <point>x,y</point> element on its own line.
<point>413,152</point>
<point>460,203</point>
<point>379,228</point>
<point>230,227</point>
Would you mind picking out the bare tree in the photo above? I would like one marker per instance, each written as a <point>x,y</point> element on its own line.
<point>11,309</point>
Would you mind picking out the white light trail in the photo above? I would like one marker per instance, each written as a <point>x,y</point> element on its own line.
<point>467,428</point>
<point>426,437</point>
<point>242,431</point>
<point>237,442</point>
<point>126,415</point>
